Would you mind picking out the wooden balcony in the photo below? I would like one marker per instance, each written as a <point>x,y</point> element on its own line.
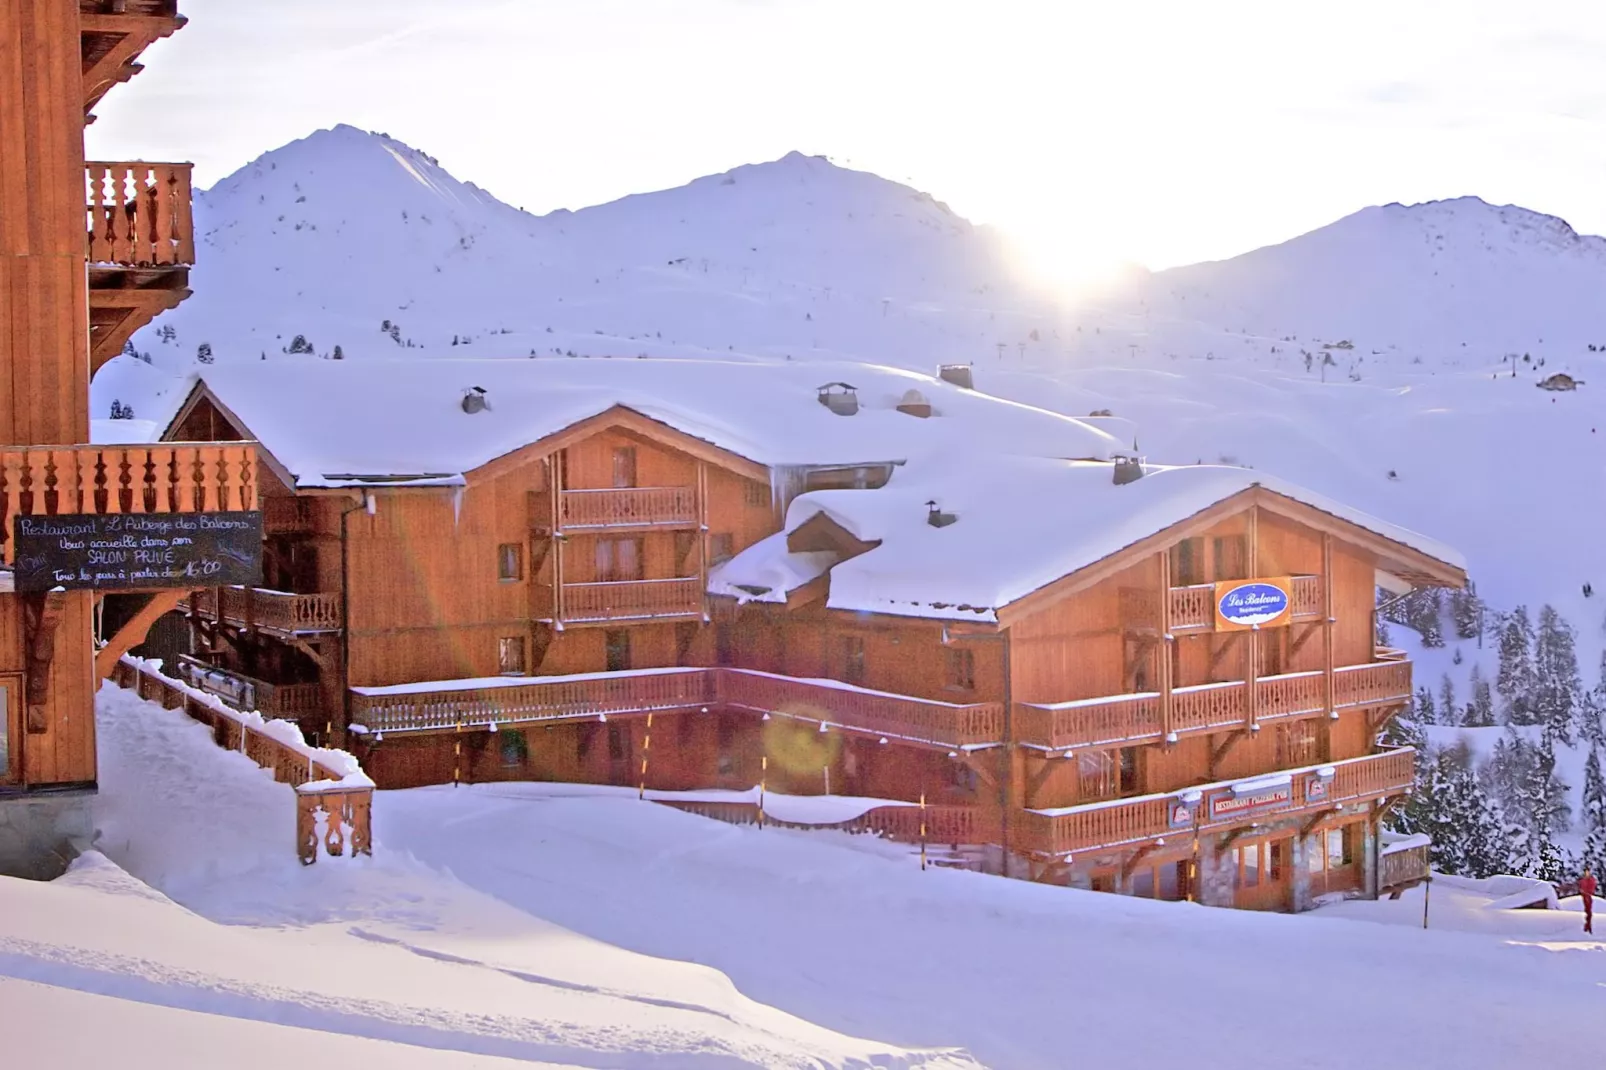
<point>632,507</point>
<point>1139,821</point>
<point>1193,607</point>
<point>291,701</point>
<point>829,703</point>
<point>139,214</point>
<point>262,610</point>
<point>171,477</point>
<point>594,603</point>
<point>1126,720</point>
<point>140,245</point>
<point>480,704</point>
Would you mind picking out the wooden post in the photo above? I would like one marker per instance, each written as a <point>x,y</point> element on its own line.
<point>922,830</point>
<point>646,745</point>
<point>1427,886</point>
<point>557,539</point>
<point>1253,671</point>
<point>702,536</point>
<point>1166,682</point>
<point>764,771</point>
<point>1327,623</point>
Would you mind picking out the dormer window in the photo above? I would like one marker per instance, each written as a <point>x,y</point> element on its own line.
<point>840,398</point>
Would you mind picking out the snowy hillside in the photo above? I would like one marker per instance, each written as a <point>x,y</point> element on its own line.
<point>1366,360</point>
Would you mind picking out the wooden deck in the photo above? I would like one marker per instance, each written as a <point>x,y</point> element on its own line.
<point>631,507</point>
<point>139,214</point>
<point>1193,608</point>
<point>166,478</point>
<point>912,720</point>
<point>1147,819</point>
<point>290,701</point>
<point>260,609</point>
<point>1124,720</point>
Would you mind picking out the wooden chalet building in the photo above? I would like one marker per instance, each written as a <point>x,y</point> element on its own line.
<point>89,252</point>
<point>676,575</point>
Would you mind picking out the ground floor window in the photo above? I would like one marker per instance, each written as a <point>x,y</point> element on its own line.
<point>510,655</point>
<point>10,691</point>
<point>1166,880</point>
<point>1103,880</point>
<point>1261,871</point>
<point>1334,856</point>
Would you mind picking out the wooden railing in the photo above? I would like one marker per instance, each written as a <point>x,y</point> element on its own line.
<point>1193,607</point>
<point>590,695</point>
<point>1134,719</point>
<point>883,713</point>
<point>167,478</point>
<point>139,214</point>
<point>1128,822</point>
<point>632,600</point>
<point>1402,868</point>
<point>554,698</point>
<point>247,692</point>
<point>272,611</point>
<point>953,825</point>
<point>345,807</point>
<point>628,507</point>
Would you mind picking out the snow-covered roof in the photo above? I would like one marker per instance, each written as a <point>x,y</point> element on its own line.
<point>1022,524</point>
<point>329,421</point>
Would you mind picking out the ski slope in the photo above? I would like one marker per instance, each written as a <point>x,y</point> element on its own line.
<point>571,927</point>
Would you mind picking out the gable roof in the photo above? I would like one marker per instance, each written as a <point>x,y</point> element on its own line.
<point>1024,525</point>
<point>333,423</point>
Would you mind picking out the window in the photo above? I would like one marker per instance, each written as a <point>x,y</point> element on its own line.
<point>618,560</point>
<point>962,670</point>
<point>1129,770</point>
<point>510,561</point>
<point>726,727</point>
<point>1341,846</point>
<point>852,659</point>
<point>510,655</point>
<point>964,777</point>
<point>755,494</point>
<point>624,466</point>
<point>616,741</point>
<point>1187,563</point>
<point>616,644</point>
<point>721,547</point>
<point>724,645</point>
<point>1232,557</point>
<point>685,729</point>
<point>514,747</point>
<point>1095,772</point>
<point>1103,880</point>
<point>9,689</point>
<point>1298,744</point>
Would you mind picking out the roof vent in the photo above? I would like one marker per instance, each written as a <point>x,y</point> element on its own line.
<point>474,400</point>
<point>1127,470</point>
<point>915,404</point>
<point>957,374</point>
<point>840,398</point>
<point>937,518</point>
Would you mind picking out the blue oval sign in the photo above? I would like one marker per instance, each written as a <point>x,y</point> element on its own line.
<point>1250,604</point>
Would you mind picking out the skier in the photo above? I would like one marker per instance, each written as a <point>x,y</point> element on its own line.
<point>1586,888</point>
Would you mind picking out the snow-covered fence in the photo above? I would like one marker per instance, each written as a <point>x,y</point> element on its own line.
<point>334,796</point>
<point>1402,863</point>
<point>901,823</point>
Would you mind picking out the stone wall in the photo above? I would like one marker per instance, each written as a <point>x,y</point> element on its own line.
<point>41,835</point>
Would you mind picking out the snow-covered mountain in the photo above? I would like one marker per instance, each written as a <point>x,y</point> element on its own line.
<point>1366,360</point>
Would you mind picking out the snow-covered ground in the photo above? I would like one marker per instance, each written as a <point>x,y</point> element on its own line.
<point>541,922</point>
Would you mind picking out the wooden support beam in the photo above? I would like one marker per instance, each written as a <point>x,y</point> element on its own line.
<point>134,630</point>
<point>1304,634</point>
<point>1236,834</point>
<point>41,614</point>
<point>1035,780</point>
<point>975,765</point>
<point>308,649</point>
<point>1220,652</point>
<point>1317,820</point>
<point>1138,856</point>
<point>1220,751</point>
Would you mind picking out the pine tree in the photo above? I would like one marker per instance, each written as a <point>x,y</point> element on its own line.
<point>1464,612</point>
<point>1557,689</point>
<point>203,352</point>
<point>1515,679</point>
<point>1522,778</point>
<point>1451,806</point>
<point>337,354</point>
<point>1426,617</point>
<point>121,411</point>
<point>299,344</point>
<point>1480,710</point>
<point>1592,822</point>
<point>1448,713</point>
<point>1425,711</point>
<point>1592,710</point>
<point>1380,630</point>
<point>129,350</point>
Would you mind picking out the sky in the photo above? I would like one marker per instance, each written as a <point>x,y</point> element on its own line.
<point>1092,133</point>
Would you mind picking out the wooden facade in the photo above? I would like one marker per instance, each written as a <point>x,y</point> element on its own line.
<point>89,252</point>
<point>548,619</point>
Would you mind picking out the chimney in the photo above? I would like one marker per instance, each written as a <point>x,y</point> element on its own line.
<point>957,374</point>
<point>1127,470</point>
<point>936,518</point>
<point>915,404</point>
<point>840,398</point>
<point>474,400</point>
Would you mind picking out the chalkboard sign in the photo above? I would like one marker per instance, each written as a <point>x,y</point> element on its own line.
<point>133,551</point>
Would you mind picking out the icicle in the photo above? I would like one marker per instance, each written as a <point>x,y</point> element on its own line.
<point>457,506</point>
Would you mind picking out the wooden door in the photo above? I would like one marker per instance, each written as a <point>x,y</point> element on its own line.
<point>10,729</point>
<point>1264,878</point>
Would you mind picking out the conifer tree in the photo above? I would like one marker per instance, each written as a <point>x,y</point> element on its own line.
<point>1464,612</point>
<point>203,353</point>
<point>1592,710</point>
<point>1480,709</point>
<point>1557,689</point>
<point>1426,614</point>
<point>1448,713</point>
<point>1515,679</point>
<point>1593,819</point>
<point>1424,710</point>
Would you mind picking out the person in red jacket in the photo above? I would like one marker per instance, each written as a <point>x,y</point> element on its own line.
<point>1586,888</point>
